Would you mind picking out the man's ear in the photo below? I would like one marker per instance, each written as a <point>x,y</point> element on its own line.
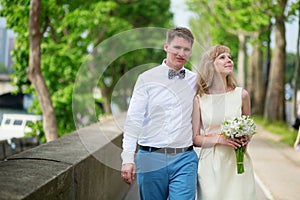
<point>166,47</point>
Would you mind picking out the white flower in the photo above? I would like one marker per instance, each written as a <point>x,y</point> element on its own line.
<point>238,127</point>
<point>242,126</point>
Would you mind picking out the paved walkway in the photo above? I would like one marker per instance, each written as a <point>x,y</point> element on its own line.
<point>276,166</point>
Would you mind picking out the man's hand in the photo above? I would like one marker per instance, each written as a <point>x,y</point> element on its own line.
<point>128,173</point>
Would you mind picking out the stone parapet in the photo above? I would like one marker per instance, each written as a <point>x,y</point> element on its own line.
<point>81,165</point>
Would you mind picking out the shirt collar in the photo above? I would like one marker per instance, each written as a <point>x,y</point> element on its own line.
<point>165,65</point>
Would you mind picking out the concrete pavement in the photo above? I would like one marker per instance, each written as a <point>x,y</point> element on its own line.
<point>276,166</point>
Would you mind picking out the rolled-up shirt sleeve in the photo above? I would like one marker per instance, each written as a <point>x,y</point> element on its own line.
<point>134,120</point>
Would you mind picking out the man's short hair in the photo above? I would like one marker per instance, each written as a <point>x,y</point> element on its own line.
<point>180,32</point>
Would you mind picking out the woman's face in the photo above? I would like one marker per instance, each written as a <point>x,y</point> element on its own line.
<point>223,64</point>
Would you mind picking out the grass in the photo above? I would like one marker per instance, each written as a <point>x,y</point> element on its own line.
<point>288,134</point>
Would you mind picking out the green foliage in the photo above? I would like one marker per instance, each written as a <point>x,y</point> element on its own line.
<point>222,21</point>
<point>290,68</point>
<point>230,40</point>
<point>146,13</point>
<point>139,14</point>
<point>280,128</point>
<point>70,30</point>
<point>295,6</point>
<point>5,70</point>
<point>36,131</point>
<point>232,15</point>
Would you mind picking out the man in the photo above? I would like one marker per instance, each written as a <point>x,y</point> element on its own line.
<point>159,121</point>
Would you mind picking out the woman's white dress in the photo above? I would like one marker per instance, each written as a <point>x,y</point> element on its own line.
<point>217,171</point>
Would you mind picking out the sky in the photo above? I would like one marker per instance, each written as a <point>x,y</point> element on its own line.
<point>182,15</point>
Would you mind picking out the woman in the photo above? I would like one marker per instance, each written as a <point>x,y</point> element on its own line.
<point>219,99</point>
<point>297,141</point>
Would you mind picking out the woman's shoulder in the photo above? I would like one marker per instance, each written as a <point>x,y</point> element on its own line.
<point>245,95</point>
<point>242,90</point>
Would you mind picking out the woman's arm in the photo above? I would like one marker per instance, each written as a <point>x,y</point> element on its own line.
<point>246,110</point>
<point>196,123</point>
<point>210,140</point>
<point>246,104</point>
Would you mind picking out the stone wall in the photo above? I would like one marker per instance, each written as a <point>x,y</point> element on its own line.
<point>82,165</point>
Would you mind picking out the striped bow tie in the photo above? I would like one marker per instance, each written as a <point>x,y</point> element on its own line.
<point>180,74</point>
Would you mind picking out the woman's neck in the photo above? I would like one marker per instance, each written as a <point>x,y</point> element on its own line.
<point>219,86</point>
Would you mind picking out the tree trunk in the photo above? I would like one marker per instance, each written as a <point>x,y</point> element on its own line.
<point>241,60</point>
<point>255,82</point>
<point>296,74</point>
<point>267,65</point>
<point>258,84</point>
<point>275,102</point>
<point>106,93</point>
<point>251,78</point>
<point>34,72</point>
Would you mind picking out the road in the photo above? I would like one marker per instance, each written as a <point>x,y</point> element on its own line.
<point>276,166</point>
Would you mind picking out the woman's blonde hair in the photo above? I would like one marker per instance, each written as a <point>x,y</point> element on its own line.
<point>207,70</point>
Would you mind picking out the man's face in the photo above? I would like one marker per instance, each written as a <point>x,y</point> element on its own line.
<point>178,51</point>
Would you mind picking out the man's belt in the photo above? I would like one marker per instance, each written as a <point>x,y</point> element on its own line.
<point>166,150</point>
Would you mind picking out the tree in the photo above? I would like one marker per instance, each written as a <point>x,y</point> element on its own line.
<point>255,79</point>
<point>139,14</point>
<point>71,30</point>
<point>275,102</point>
<point>243,20</point>
<point>297,67</point>
<point>34,72</point>
<point>249,21</point>
<point>64,47</point>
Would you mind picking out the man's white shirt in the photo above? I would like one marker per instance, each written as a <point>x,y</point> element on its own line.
<point>159,114</point>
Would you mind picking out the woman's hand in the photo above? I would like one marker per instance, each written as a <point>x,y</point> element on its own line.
<point>245,141</point>
<point>232,142</point>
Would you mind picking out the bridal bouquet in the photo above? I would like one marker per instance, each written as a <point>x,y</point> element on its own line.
<point>239,127</point>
